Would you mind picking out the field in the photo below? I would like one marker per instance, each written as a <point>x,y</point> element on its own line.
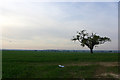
<point>38,64</point>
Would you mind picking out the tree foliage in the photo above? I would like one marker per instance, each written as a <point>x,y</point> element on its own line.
<point>89,40</point>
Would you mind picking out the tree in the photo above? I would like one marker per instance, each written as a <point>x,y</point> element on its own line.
<point>89,40</point>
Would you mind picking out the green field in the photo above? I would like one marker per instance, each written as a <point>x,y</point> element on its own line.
<point>38,64</point>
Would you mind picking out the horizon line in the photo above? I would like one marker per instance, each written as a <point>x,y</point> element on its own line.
<point>59,49</point>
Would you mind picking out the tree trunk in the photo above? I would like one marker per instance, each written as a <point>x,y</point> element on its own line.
<point>91,51</point>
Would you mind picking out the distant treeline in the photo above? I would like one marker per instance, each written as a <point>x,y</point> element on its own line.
<point>97,51</point>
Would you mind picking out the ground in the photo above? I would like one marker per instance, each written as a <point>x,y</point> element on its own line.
<point>37,64</point>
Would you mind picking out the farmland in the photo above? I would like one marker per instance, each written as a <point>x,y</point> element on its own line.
<point>43,64</point>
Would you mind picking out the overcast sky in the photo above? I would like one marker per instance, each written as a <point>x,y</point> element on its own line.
<point>51,25</point>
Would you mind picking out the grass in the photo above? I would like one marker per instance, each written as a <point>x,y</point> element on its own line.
<point>37,64</point>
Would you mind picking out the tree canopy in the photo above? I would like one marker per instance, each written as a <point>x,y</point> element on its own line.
<point>89,40</point>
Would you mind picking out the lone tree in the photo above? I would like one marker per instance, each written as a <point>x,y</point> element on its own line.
<point>89,40</point>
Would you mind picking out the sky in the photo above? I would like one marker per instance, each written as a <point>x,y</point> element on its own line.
<point>28,24</point>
